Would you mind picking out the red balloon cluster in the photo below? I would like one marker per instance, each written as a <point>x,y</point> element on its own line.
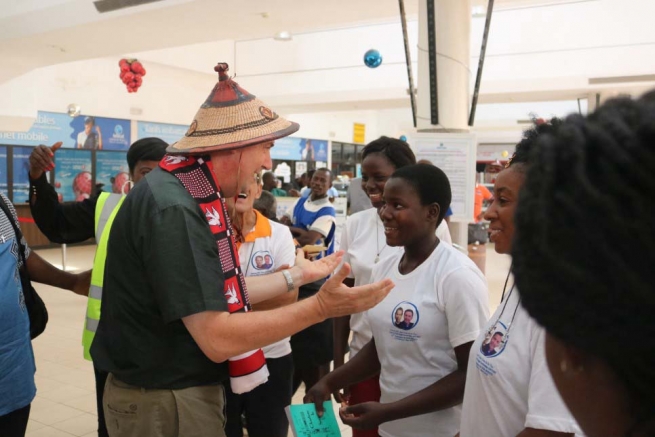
<point>132,73</point>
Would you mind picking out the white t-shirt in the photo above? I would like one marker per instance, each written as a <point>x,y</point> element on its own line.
<point>509,387</point>
<point>268,247</point>
<point>362,238</point>
<point>448,299</point>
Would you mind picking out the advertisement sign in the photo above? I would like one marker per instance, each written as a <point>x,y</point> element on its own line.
<point>299,149</point>
<point>82,132</point>
<point>4,189</point>
<point>112,171</point>
<point>21,168</point>
<point>170,133</point>
<point>73,181</point>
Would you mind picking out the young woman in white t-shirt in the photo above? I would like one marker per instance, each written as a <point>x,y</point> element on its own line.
<point>443,296</point>
<point>584,261</point>
<point>364,244</point>
<point>509,391</point>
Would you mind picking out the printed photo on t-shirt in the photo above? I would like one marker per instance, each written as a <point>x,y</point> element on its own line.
<point>405,316</point>
<point>262,260</point>
<point>494,341</point>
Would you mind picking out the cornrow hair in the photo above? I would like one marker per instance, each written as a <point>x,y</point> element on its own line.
<point>583,252</point>
<point>521,157</point>
<point>396,151</point>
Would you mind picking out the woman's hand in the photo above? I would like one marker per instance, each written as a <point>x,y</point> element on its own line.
<point>368,415</point>
<point>312,271</point>
<point>316,395</point>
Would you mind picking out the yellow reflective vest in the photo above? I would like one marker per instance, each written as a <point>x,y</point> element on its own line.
<point>106,209</point>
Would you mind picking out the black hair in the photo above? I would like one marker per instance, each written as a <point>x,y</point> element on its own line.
<point>396,151</point>
<point>146,149</point>
<point>498,333</point>
<point>431,185</point>
<point>325,169</point>
<point>521,157</point>
<point>409,310</point>
<point>266,205</point>
<point>583,250</point>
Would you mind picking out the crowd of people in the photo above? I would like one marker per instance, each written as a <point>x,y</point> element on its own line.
<point>206,312</point>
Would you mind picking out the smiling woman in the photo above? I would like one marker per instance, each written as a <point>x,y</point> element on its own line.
<point>423,330</point>
<point>508,389</point>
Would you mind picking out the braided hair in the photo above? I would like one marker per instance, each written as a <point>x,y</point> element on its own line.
<point>584,242</point>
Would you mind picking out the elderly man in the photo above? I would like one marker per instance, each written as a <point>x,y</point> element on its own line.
<point>176,305</point>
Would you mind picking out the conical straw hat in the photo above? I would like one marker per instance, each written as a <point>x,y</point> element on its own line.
<point>231,118</point>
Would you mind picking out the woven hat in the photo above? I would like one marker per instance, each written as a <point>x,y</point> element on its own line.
<point>231,118</point>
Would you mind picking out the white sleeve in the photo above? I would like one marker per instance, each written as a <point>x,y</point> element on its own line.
<point>284,250</point>
<point>546,409</point>
<point>345,245</point>
<point>323,225</point>
<point>443,232</point>
<point>466,304</point>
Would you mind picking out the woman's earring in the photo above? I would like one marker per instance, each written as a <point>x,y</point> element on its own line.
<point>563,366</point>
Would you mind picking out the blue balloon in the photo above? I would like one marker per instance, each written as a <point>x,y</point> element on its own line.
<point>372,58</point>
<point>403,138</point>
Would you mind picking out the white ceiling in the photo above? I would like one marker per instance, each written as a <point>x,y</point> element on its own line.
<point>36,33</point>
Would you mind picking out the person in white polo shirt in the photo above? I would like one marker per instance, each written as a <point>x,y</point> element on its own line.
<point>259,238</point>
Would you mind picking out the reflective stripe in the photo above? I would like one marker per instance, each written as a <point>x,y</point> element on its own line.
<point>95,292</point>
<point>92,324</point>
<point>107,209</point>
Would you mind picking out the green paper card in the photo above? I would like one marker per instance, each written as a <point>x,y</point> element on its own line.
<point>305,422</point>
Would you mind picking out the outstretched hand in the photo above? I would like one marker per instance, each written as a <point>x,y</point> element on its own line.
<point>312,271</point>
<point>41,159</point>
<point>337,299</point>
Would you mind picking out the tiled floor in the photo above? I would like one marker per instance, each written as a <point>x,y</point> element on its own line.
<point>65,402</point>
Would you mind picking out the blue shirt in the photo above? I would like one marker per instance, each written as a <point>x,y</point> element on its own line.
<point>17,366</point>
<point>319,216</point>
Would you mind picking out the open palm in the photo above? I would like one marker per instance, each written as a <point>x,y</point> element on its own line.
<point>314,270</point>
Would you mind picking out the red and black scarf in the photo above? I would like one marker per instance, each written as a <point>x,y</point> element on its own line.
<point>196,174</point>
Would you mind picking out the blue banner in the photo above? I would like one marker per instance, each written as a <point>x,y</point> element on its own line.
<point>4,189</point>
<point>170,133</point>
<point>300,149</point>
<point>82,132</point>
<point>73,181</point>
<point>112,171</point>
<point>21,168</point>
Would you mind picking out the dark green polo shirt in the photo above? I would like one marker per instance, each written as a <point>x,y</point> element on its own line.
<point>162,265</point>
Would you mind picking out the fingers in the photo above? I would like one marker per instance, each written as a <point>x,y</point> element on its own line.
<point>373,294</point>
<point>338,277</point>
<point>55,147</point>
<point>311,398</point>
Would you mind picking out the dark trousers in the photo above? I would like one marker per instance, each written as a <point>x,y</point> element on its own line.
<point>312,347</point>
<point>101,378</point>
<point>14,424</point>
<point>264,406</point>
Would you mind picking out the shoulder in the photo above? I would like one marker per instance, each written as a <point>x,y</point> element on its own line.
<point>279,231</point>
<point>162,190</point>
<point>455,268</point>
<point>10,205</point>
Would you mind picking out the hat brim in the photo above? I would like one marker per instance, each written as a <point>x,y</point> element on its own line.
<point>292,128</point>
